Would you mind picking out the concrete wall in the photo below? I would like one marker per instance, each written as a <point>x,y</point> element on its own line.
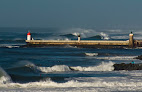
<point>75,42</point>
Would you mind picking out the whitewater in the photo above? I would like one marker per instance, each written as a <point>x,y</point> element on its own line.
<point>66,68</point>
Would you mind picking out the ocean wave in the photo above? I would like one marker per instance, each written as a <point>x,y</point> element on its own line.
<point>95,37</point>
<point>4,77</point>
<point>12,46</point>
<point>56,68</point>
<point>112,83</point>
<point>70,35</point>
<point>105,36</point>
<point>23,67</point>
<point>117,58</point>
<point>91,54</point>
<point>85,33</point>
<point>104,66</point>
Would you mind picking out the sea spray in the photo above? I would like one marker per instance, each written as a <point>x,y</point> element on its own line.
<point>56,68</point>
<point>83,32</point>
<point>95,82</point>
<point>4,77</point>
<point>105,36</point>
<point>104,66</point>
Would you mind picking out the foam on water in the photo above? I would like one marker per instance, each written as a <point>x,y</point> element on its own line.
<point>109,83</point>
<point>104,66</point>
<point>105,36</point>
<point>117,58</point>
<point>91,54</point>
<point>56,68</point>
<point>12,46</point>
<point>83,32</point>
<point>4,77</point>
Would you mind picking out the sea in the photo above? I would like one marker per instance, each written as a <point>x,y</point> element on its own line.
<point>67,68</point>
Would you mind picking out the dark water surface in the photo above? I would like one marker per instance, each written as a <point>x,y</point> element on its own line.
<point>61,68</point>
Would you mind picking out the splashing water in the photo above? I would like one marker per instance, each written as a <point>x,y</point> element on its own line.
<point>105,36</point>
<point>56,68</point>
<point>4,77</point>
<point>104,66</point>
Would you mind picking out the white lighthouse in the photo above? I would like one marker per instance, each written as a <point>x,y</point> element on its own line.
<point>131,40</point>
<point>79,38</point>
<point>29,36</point>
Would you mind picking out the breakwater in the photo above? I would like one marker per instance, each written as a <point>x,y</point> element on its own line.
<point>76,43</point>
<point>85,43</point>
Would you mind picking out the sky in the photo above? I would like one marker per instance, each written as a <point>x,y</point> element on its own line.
<point>70,13</point>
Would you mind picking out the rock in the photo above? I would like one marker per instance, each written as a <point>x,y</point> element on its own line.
<point>139,57</point>
<point>130,66</point>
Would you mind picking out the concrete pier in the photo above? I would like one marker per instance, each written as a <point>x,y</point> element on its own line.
<point>77,43</point>
<point>87,43</point>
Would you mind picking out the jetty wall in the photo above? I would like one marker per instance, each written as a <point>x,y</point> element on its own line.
<point>75,42</point>
<point>86,43</point>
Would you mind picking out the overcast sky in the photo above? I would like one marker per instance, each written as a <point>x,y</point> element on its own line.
<point>70,13</point>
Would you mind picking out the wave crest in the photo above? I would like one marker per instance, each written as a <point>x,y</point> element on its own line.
<point>105,36</point>
<point>56,68</point>
<point>4,77</point>
<point>104,66</point>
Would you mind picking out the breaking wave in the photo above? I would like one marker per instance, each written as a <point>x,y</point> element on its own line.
<point>105,36</point>
<point>113,84</point>
<point>117,58</point>
<point>85,33</point>
<point>104,66</point>
<point>56,68</point>
<point>4,77</point>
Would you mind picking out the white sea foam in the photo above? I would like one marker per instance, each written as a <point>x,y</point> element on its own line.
<point>105,36</point>
<point>91,54</point>
<point>104,66</point>
<point>75,34</point>
<point>87,83</point>
<point>117,58</point>
<point>12,46</point>
<point>83,32</point>
<point>4,77</point>
<point>56,68</point>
